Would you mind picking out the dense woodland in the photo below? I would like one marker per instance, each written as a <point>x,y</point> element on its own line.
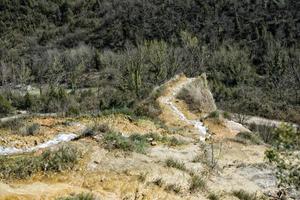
<point>119,50</point>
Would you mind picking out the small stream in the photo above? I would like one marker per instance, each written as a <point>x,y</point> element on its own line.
<point>64,137</point>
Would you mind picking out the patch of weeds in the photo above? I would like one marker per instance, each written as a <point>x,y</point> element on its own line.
<point>173,188</point>
<point>213,196</point>
<point>33,129</point>
<point>214,115</point>
<point>170,162</point>
<point>197,183</point>
<point>170,141</point>
<point>124,111</point>
<point>14,124</point>
<point>227,115</point>
<point>198,158</point>
<point>142,177</point>
<point>115,140</point>
<point>159,182</point>
<point>82,196</point>
<point>140,142</point>
<point>247,138</point>
<point>135,142</point>
<point>66,157</point>
<point>153,136</point>
<point>243,195</point>
<point>173,141</point>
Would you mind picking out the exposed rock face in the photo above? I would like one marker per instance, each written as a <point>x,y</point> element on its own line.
<point>194,92</point>
<point>197,95</point>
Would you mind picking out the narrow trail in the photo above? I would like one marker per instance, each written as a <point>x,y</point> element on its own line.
<point>168,100</point>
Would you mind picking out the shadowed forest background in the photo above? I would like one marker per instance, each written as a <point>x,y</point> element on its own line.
<point>93,55</point>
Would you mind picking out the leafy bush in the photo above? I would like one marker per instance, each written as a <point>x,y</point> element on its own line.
<point>20,167</point>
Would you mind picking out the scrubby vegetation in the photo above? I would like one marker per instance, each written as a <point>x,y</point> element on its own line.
<point>170,162</point>
<point>285,156</point>
<point>248,138</point>
<point>197,183</point>
<point>23,166</point>
<point>243,195</point>
<point>136,142</point>
<point>82,196</point>
<point>111,54</point>
<point>213,196</point>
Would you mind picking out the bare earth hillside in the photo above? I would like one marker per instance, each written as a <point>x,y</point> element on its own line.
<point>183,153</point>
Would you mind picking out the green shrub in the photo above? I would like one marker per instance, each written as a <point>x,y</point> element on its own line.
<point>117,141</point>
<point>5,106</point>
<point>170,162</point>
<point>32,129</point>
<point>82,196</point>
<point>285,156</point>
<point>197,183</point>
<point>19,167</point>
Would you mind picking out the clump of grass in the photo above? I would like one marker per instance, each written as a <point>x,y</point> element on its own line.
<point>135,142</point>
<point>214,114</point>
<point>159,182</point>
<point>82,196</point>
<point>227,115</point>
<point>247,138</point>
<point>170,141</point>
<point>197,183</point>
<point>213,196</point>
<point>170,162</point>
<point>198,158</point>
<point>66,157</point>
<point>14,124</point>
<point>243,195</point>
<point>33,129</point>
<point>173,141</point>
<point>142,177</point>
<point>173,188</point>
